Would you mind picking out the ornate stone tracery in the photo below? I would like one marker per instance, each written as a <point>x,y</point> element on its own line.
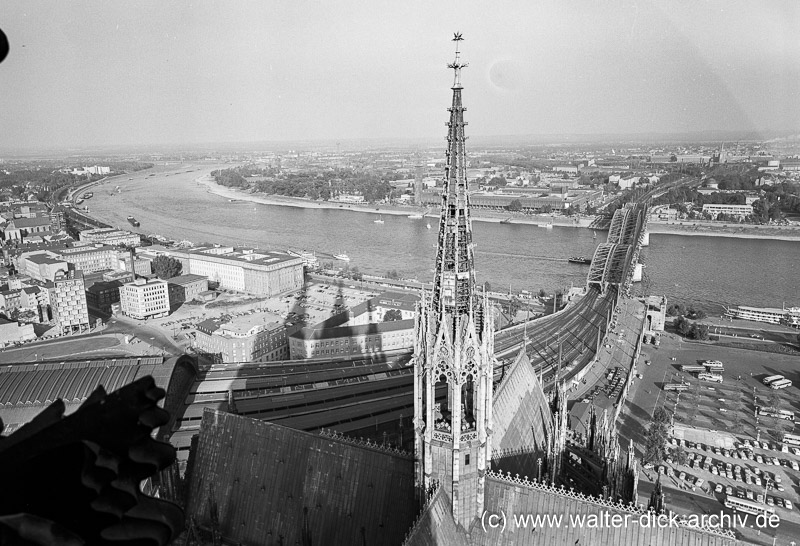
<point>454,341</point>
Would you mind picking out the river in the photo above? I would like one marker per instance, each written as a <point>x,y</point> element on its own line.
<point>710,271</point>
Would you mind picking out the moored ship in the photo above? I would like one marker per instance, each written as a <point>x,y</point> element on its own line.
<point>787,316</point>
<point>580,260</point>
<point>134,222</point>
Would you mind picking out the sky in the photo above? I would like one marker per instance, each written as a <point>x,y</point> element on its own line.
<point>99,73</point>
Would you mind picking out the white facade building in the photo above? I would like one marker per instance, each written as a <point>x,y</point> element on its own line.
<point>736,210</point>
<point>143,299</point>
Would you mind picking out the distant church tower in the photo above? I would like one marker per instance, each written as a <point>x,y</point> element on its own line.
<point>454,347</point>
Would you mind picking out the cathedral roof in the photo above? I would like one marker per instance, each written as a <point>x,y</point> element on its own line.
<point>436,526</point>
<point>521,411</point>
<point>267,481</point>
<point>513,496</point>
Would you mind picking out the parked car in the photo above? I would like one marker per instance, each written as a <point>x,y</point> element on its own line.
<point>682,476</point>
<point>718,488</point>
<point>787,504</point>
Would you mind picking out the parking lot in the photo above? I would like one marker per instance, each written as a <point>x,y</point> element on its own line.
<point>729,449</point>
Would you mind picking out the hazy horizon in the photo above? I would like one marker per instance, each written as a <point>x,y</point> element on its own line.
<point>102,75</point>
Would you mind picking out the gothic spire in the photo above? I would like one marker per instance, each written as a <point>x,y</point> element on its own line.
<point>454,285</point>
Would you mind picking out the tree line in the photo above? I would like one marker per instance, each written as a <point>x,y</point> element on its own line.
<point>323,185</point>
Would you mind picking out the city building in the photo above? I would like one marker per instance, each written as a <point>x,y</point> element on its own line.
<point>20,229</point>
<point>91,258</point>
<point>41,265</point>
<point>10,299</point>
<point>375,309</point>
<point>102,295</point>
<point>328,340</point>
<point>260,337</point>
<point>792,165</point>
<point>242,269</point>
<point>186,287</point>
<point>12,332</point>
<point>570,169</point>
<point>533,200</point>
<point>144,298</point>
<point>349,198</point>
<point>137,264</point>
<point>111,236</point>
<point>362,329</point>
<point>68,302</point>
<point>741,211</point>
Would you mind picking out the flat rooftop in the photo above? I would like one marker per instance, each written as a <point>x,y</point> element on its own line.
<point>186,279</point>
<point>244,255</point>
<point>244,323</point>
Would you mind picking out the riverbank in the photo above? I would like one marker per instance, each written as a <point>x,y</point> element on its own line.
<point>299,202</point>
<point>737,231</point>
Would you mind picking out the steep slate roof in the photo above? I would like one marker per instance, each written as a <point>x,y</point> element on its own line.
<point>22,223</point>
<point>436,526</point>
<point>521,412</point>
<point>268,481</point>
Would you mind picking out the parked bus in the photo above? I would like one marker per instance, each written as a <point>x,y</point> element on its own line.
<point>779,414</point>
<point>770,379</point>
<point>780,384</point>
<point>689,368</point>
<point>791,439</point>
<point>748,506</point>
<point>706,376</point>
<point>713,365</point>
<point>676,387</point>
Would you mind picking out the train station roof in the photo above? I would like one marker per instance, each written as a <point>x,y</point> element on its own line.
<point>27,388</point>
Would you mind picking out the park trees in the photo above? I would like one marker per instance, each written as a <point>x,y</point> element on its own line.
<point>166,267</point>
<point>392,315</point>
<point>656,438</point>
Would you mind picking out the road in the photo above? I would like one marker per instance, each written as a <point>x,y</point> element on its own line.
<point>160,342</point>
<point>685,501</point>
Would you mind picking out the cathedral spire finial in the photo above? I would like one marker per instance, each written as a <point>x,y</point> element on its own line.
<point>454,285</point>
<point>457,65</point>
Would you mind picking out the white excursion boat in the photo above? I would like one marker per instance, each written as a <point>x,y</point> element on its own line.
<point>415,216</point>
<point>344,257</point>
